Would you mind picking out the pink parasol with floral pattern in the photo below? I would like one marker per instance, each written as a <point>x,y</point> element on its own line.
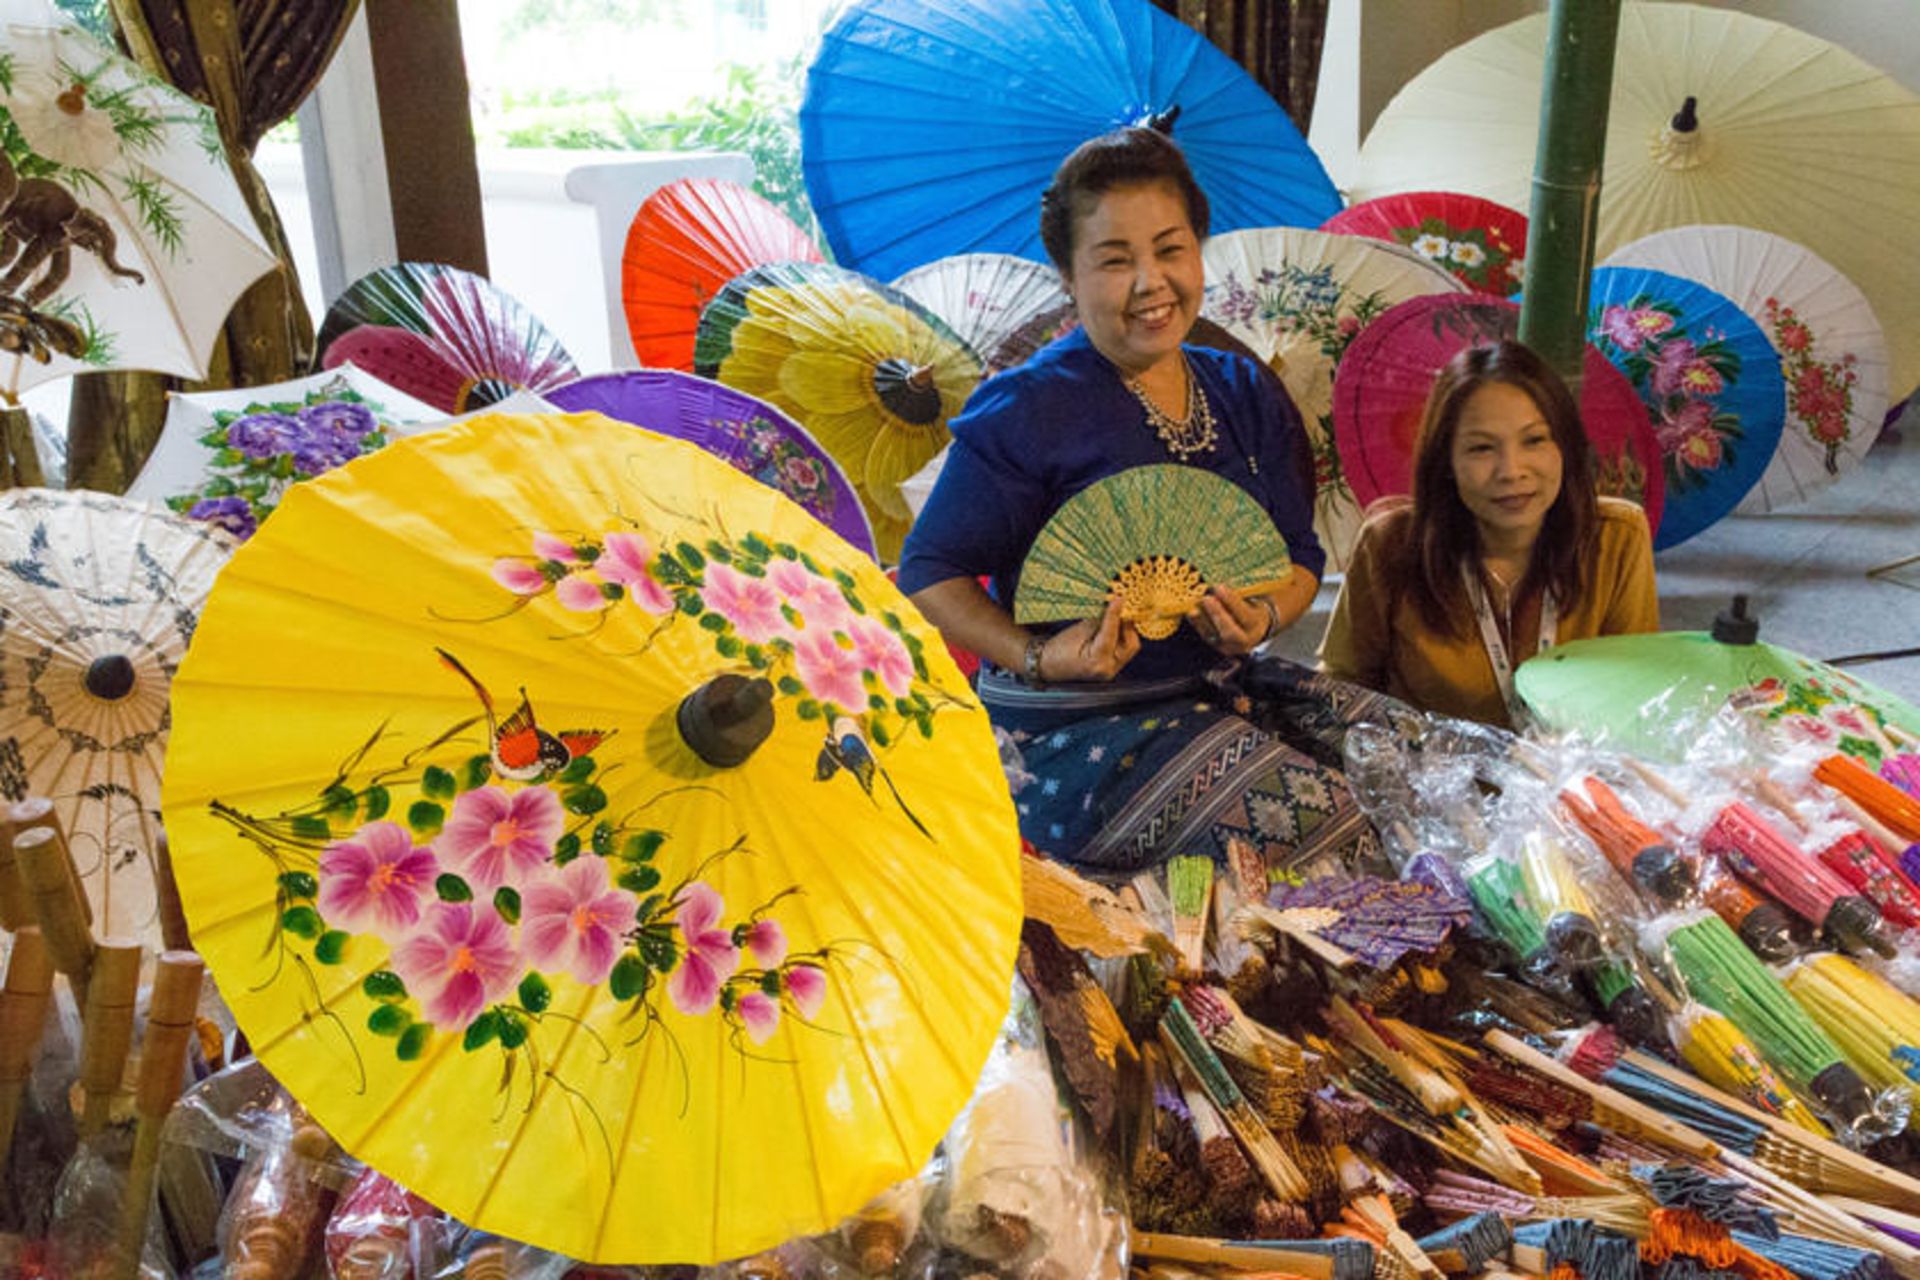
<point>1381,392</point>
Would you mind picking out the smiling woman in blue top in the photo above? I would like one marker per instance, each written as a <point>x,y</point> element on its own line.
<point>1134,751</point>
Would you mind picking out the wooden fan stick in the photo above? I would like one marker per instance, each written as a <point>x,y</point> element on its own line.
<point>107,1031</point>
<point>56,901</point>
<point>163,1061</point>
<point>36,812</point>
<point>1642,1119</point>
<point>1206,1251</point>
<point>1872,1172</point>
<point>23,1010</point>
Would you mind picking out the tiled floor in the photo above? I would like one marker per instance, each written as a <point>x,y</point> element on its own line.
<point>1804,570</point>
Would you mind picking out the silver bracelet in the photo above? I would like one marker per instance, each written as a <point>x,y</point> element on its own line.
<point>1036,644</point>
<point>1273,621</point>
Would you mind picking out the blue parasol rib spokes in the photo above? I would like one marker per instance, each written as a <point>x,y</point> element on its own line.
<point>930,127</point>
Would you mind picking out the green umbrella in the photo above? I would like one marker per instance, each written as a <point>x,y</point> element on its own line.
<point>1643,690</point>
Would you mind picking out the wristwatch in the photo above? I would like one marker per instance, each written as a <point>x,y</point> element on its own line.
<point>1030,664</point>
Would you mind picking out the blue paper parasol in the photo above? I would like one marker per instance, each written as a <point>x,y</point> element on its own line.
<point>1710,380</point>
<point>930,127</point>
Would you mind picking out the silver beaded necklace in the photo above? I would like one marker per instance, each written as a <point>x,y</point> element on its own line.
<point>1193,433</point>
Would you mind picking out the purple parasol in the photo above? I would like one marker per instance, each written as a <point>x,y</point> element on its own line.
<point>748,433</point>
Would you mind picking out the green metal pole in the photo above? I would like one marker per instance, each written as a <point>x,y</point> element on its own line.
<point>1562,226</point>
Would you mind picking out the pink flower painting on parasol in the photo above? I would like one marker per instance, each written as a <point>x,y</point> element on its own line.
<point>1381,391</point>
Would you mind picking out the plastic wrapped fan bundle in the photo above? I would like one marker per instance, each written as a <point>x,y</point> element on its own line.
<point>1644,856</point>
<point>1718,970</point>
<point>1553,883</point>
<point>1762,924</point>
<point>1866,867</point>
<point>1886,803</point>
<point>1019,1194</point>
<point>1714,1048</point>
<point>1760,853</point>
<point>372,1232</point>
<point>1877,1026</point>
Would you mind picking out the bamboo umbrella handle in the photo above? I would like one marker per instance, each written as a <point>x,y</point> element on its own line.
<point>23,1009</point>
<point>16,905</point>
<point>36,812</point>
<point>107,1031</point>
<point>163,1060</point>
<point>166,892</point>
<point>44,866</point>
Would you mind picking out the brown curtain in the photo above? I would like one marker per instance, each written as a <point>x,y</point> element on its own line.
<point>1277,41</point>
<point>252,61</point>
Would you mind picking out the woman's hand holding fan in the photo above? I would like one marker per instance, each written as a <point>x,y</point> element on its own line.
<point>1134,545</point>
<point>1091,649</point>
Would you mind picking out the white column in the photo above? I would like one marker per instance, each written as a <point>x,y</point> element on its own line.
<point>346,168</point>
<point>615,190</point>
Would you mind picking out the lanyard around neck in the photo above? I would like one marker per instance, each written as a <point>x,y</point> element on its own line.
<point>1497,647</point>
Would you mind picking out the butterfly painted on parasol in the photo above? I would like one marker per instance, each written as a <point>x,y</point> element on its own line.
<point>846,751</point>
<point>521,751</point>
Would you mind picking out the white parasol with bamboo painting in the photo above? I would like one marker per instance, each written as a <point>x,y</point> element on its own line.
<point>126,239</point>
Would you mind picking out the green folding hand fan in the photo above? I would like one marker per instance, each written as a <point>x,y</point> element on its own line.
<point>1154,538</point>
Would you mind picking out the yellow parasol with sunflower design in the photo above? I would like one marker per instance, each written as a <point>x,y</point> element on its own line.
<point>592,841</point>
<point>872,374</point>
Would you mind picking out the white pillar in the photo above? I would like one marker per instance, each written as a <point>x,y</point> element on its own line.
<point>615,190</point>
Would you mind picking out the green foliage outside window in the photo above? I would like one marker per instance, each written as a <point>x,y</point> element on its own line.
<point>755,111</point>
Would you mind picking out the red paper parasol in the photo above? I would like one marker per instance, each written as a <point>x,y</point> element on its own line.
<point>1381,389</point>
<point>1483,243</point>
<point>687,239</point>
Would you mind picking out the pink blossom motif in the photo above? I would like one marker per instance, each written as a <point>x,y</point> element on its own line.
<point>768,943</point>
<point>885,654</point>
<point>751,605</point>
<point>710,957</point>
<point>581,593</point>
<point>494,838</point>
<point>1700,378</point>
<point>550,546</point>
<point>376,881</point>
<point>1810,729</point>
<point>807,984</point>
<point>1629,329</point>
<point>623,560</point>
<point>1700,450</point>
<point>1848,720</point>
<point>819,602</point>
<point>1670,364</point>
<point>1690,418</point>
<point>830,671</point>
<point>802,474</point>
<point>572,919</point>
<point>759,1014</point>
<point>459,960</point>
<point>519,577</point>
